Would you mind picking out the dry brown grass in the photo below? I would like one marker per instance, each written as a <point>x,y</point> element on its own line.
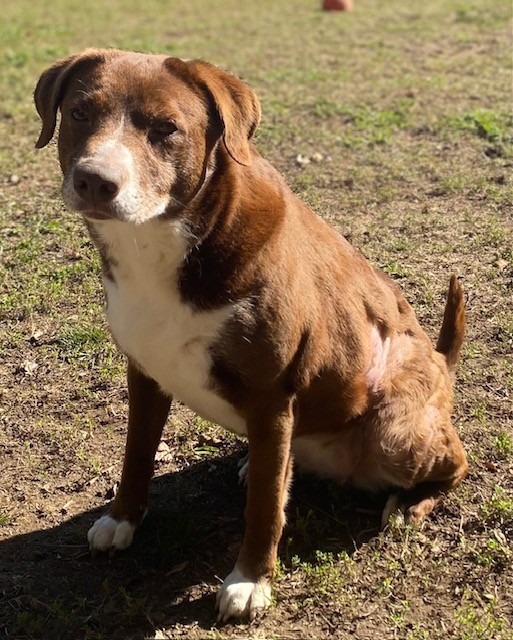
<point>409,106</point>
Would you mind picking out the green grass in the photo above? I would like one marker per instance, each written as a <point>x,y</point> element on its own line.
<point>480,624</point>
<point>504,444</point>
<point>82,342</point>
<point>485,123</point>
<point>500,506</point>
<point>409,107</point>
<point>363,124</point>
<point>325,575</point>
<point>494,554</point>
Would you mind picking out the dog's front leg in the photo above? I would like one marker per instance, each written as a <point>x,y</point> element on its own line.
<point>247,588</point>
<point>148,410</point>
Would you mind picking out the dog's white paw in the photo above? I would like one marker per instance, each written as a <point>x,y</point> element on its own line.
<point>110,534</point>
<point>240,597</point>
<point>393,507</point>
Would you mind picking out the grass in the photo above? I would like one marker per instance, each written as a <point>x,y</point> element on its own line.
<point>325,576</point>
<point>407,109</point>
<point>363,124</point>
<point>500,505</point>
<point>504,445</point>
<point>485,123</point>
<point>480,624</point>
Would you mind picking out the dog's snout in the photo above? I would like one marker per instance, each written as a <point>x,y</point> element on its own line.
<point>95,184</point>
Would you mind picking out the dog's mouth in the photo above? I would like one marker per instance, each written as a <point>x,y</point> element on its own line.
<point>90,210</point>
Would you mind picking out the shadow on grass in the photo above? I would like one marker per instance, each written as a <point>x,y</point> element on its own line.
<point>51,588</point>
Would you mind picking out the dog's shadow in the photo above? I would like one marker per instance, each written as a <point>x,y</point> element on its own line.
<point>51,588</point>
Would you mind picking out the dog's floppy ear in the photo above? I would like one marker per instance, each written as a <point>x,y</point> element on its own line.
<point>236,104</point>
<point>50,90</point>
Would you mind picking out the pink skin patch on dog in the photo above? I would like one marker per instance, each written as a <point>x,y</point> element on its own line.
<point>379,350</point>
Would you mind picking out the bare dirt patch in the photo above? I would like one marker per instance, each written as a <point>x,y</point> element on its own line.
<point>394,122</point>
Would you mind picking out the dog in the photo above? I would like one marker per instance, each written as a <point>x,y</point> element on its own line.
<point>227,292</point>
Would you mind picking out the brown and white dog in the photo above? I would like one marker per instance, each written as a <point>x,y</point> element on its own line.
<point>227,292</point>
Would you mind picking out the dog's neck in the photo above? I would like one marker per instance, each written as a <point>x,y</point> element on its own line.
<point>209,245</point>
<point>229,229</point>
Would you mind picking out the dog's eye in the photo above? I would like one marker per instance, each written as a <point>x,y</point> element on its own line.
<point>79,114</point>
<point>162,130</point>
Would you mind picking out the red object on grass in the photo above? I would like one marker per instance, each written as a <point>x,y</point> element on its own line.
<point>337,5</point>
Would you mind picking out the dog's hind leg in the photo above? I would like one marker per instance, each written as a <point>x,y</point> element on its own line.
<point>416,503</point>
<point>409,506</point>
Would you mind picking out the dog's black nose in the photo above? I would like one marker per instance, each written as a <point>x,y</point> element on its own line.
<point>94,185</point>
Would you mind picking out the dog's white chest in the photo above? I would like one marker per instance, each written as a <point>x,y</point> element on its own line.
<point>149,321</point>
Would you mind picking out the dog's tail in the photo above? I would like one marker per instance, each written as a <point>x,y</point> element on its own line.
<point>453,327</point>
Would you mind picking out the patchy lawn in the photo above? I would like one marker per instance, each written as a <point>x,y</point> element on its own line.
<point>395,123</point>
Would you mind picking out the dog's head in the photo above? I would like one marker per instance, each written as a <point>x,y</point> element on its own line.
<point>137,131</point>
